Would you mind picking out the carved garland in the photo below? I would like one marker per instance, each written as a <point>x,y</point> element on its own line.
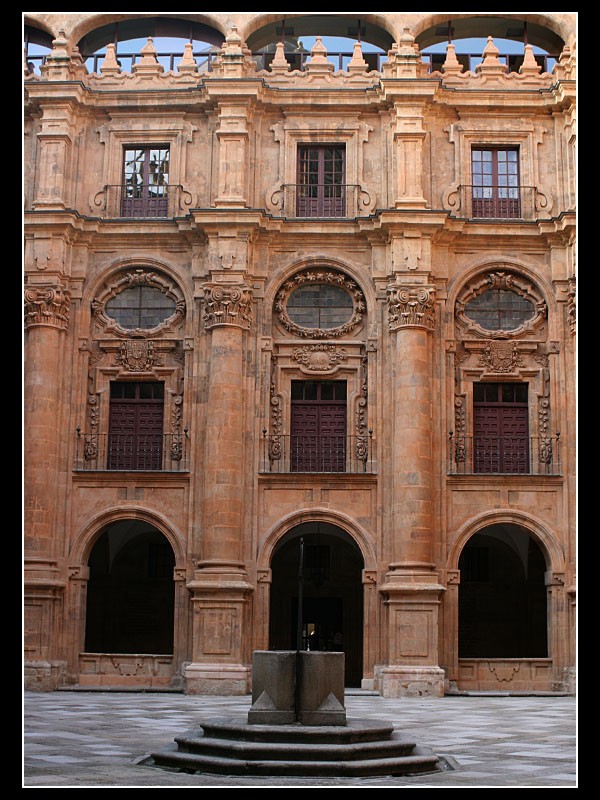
<point>136,278</point>
<point>330,277</point>
<point>507,281</point>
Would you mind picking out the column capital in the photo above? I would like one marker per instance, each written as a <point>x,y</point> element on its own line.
<point>227,304</point>
<point>410,306</point>
<point>47,305</point>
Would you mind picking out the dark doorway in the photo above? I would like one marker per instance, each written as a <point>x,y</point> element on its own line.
<point>502,596</point>
<point>332,595</point>
<point>130,596</point>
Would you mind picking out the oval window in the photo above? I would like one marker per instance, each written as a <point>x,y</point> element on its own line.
<point>320,306</point>
<point>140,307</point>
<point>499,310</point>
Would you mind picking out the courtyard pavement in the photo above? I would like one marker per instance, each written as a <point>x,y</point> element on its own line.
<point>100,739</point>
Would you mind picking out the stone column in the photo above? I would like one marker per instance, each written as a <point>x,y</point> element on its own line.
<point>46,320</point>
<point>219,588</point>
<point>411,590</point>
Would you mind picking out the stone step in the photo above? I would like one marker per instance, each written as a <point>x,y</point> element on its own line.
<point>355,730</point>
<point>401,765</point>
<point>275,751</point>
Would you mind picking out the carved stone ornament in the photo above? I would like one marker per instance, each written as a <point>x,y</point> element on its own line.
<point>47,305</point>
<point>137,355</point>
<point>500,357</point>
<point>332,278</point>
<point>227,305</point>
<point>410,307</point>
<point>571,305</point>
<point>507,281</point>
<point>138,277</point>
<point>319,357</point>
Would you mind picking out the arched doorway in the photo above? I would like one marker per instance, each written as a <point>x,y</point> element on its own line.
<point>130,595</point>
<point>502,596</point>
<point>332,599</point>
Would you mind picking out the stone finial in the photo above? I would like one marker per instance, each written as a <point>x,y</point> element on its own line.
<point>58,61</point>
<point>529,65</point>
<point>188,65</point>
<point>357,62</point>
<point>110,65</point>
<point>233,42</point>
<point>451,65</point>
<point>280,62</point>
<point>149,64</point>
<point>406,45</point>
<point>491,64</point>
<point>318,63</point>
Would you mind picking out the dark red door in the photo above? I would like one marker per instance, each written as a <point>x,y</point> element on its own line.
<point>136,426</point>
<point>318,426</point>
<point>500,428</point>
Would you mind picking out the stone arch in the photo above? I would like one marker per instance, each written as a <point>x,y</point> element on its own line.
<point>549,543</point>
<point>546,30</point>
<point>87,537</point>
<point>358,534</point>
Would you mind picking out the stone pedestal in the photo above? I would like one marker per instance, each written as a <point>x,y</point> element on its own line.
<point>290,686</point>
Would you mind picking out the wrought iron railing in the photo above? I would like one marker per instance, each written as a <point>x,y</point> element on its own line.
<point>131,452</point>
<point>320,201</point>
<point>498,202</point>
<point>317,453</point>
<point>504,455</point>
<point>142,202</point>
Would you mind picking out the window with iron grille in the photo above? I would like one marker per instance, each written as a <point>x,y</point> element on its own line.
<point>495,184</point>
<point>145,181</point>
<point>140,306</point>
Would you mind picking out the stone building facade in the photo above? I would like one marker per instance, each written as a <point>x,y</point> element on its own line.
<point>296,331</point>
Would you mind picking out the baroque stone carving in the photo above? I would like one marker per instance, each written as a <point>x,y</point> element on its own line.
<point>227,305</point>
<point>510,282</point>
<point>571,305</point>
<point>137,355</point>
<point>47,305</point>
<point>333,278</point>
<point>138,277</point>
<point>500,357</point>
<point>319,357</point>
<point>410,307</point>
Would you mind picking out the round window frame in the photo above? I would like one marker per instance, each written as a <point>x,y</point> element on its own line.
<point>127,280</point>
<point>505,281</point>
<point>322,277</point>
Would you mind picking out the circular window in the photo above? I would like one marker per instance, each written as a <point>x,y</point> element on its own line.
<point>320,306</point>
<point>140,307</point>
<point>499,310</point>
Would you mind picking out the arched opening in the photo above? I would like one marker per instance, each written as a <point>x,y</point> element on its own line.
<point>469,37</point>
<point>332,601</point>
<point>169,36</point>
<point>502,595</point>
<point>130,596</point>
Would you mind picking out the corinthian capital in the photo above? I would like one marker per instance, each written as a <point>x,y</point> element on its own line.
<point>227,305</point>
<point>410,306</point>
<point>47,305</point>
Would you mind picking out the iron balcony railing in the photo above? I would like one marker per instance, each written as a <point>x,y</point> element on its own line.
<point>497,202</point>
<point>320,200</point>
<point>131,452</point>
<point>143,201</point>
<point>504,455</point>
<point>317,453</point>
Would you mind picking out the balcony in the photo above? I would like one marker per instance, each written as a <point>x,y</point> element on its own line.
<point>121,201</point>
<point>504,455</point>
<point>284,453</point>
<point>320,201</point>
<point>496,202</point>
<point>109,452</point>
